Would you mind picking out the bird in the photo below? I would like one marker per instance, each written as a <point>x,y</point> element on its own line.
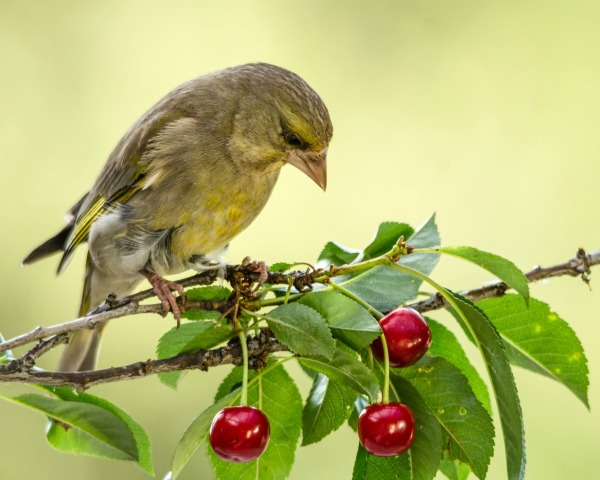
<point>193,172</point>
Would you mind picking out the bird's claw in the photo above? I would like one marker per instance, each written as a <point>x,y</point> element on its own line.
<point>164,289</point>
<point>261,267</point>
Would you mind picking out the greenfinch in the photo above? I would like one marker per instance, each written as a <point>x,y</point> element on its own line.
<point>188,176</point>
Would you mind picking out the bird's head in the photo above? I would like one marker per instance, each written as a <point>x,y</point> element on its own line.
<point>280,119</point>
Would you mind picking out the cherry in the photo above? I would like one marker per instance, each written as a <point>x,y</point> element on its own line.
<point>407,335</point>
<point>386,429</point>
<point>239,434</point>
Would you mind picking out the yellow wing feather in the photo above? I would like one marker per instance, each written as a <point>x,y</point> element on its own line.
<point>98,207</point>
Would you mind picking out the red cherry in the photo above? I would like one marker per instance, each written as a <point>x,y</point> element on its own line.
<point>407,334</point>
<point>239,434</point>
<point>386,429</point>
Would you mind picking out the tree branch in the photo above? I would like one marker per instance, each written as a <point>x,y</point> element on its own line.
<point>259,347</point>
<point>114,308</point>
<point>242,277</point>
<point>579,265</point>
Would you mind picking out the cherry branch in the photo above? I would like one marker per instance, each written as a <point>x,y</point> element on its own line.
<point>259,347</point>
<point>242,277</point>
<point>112,308</point>
<point>579,265</point>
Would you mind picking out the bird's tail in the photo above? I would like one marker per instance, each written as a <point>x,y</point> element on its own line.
<point>82,351</point>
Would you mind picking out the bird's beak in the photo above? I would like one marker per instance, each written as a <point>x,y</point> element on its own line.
<point>312,164</point>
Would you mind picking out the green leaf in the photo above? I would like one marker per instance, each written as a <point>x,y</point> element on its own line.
<point>172,379</point>
<point>197,431</point>
<point>282,404</point>
<point>199,314</point>
<point>328,406</point>
<point>76,441</point>
<point>100,427</point>
<point>454,470</point>
<point>426,451</point>
<point>537,339</point>
<point>383,288</point>
<point>386,288</point>
<point>349,321</point>
<point>337,254</point>
<point>507,398</point>
<point>190,338</point>
<point>504,269</point>
<point>281,266</point>
<point>370,467</point>
<point>426,236</point>
<point>466,426</point>
<point>386,237</point>
<point>446,345</point>
<point>302,329</point>
<point>215,293</point>
<point>346,370</point>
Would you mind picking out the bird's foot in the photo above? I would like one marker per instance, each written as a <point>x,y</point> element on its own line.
<point>164,289</point>
<point>261,267</point>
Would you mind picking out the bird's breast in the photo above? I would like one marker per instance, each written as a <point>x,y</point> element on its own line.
<point>215,220</point>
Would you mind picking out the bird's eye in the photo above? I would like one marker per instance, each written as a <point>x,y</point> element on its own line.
<point>292,139</point>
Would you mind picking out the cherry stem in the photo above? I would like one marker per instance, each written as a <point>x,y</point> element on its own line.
<point>427,250</point>
<point>260,396</point>
<point>288,291</point>
<point>244,396</point>
<point>373,311</point>
<point>386,357</point>
<point>386,372</point>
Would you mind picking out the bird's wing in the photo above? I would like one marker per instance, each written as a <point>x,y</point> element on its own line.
<point>123,175</point>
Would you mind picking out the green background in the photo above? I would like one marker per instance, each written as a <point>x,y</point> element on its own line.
<point>487,114</point>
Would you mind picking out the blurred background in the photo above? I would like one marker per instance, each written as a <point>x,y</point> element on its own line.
<point>487,114</point>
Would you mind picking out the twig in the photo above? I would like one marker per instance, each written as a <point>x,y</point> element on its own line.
<point>579,265</point>
<point>109,310</point>
<point>27,361</point>
<point>258,348</point>
<point>98,316</point>
<point>130,305</point>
